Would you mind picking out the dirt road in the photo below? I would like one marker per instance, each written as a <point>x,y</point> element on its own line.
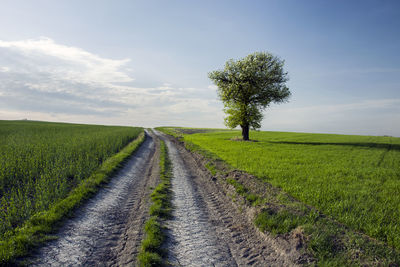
<point>206,229</point>
<point>107,231</point>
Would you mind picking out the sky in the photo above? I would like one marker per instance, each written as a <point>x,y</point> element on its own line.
<point>146,63</point>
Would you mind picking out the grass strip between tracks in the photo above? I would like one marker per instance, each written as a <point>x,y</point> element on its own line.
<point>37,229</point>
<point>328,242</point>
<point>151,253</point>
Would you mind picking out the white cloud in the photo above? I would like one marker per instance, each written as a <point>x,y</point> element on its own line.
<point>373,117</point>
<point>4,69</point>
<point>44,79</point>
<point>66,62</point>
<point>334,108</point>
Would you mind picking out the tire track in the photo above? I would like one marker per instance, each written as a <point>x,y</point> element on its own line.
<point>192,240</point>
<point>107,230</point>
<point>209,228</point>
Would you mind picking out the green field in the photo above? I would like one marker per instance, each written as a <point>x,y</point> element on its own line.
<point>353,179</point>
<point>41,162</point>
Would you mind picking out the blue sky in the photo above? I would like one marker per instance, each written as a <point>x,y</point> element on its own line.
<point>146,62</point>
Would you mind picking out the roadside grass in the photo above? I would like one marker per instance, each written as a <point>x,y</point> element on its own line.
<point>35,230</point>
<point>151,253</point>
<point>342,193</point>
<point>240,189</point>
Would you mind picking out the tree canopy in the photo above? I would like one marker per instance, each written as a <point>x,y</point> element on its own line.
<point>249,85</point>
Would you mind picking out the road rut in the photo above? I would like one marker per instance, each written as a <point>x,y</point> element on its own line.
<point>192,239</point>
<point>206,229</point>
<point>107,230</point>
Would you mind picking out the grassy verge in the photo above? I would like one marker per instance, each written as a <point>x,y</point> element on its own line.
<point>151,253</point>
<point>19,242</point>
<point>323,237</point>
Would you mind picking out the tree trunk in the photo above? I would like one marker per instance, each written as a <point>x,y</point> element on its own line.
<point>245,132</point>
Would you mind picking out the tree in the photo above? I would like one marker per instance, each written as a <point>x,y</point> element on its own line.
<point>248,86</point>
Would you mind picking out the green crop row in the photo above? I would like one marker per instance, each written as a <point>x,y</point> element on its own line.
<point>40,163</point>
